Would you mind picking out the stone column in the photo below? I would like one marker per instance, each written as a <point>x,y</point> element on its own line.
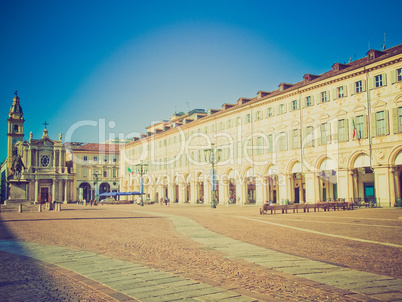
<point>207,192</point>
<point>65,183</point>
<point>36,190</point>
<point>392,187</point>
<point>194,193</point>
<point>259,188</point>
<point>54,190</point>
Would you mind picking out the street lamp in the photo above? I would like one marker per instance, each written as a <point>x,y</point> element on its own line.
<point>96,182</point>
<point>213,156</point>
<point>141,169</point>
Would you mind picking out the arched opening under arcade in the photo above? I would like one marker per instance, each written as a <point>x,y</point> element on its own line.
<point>232,186</point>
<point>200,188</point>
<point>328,180</point>
<point>397,175</point>
<point>103,187</point>
<point>273,184</point>
<point>298,183</point>
<point>85,191</point>
<point>251,189</point>
<point>363,179</point>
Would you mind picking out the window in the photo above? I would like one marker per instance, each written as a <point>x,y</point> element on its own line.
<point>85,158</point>
<point>114,173</point>
<point>295,138</point>
<point>229,123</point>
<point>360,127</point>
<point>399,118</point>
<point>309,140</point>
<point>248,118</point>
<point>238,121</point>
<point>114,159</point>
<point>270,143</point>
<point>340,92</point>
<point>104,173</point>
<point>270,112</point>
<point>324,133</point>
<point>85,172</point>
<point>380,123</point>
<point>309,101</point>
<point>259,145</point>
<point>294,105</point>
<point>282,109</point>
<point>95,158</point>
<point>324,97</point>
<point>105,159</point>
<point>378,81</point>
<point>358,86</point>
<point>399,74</point>
<point>258,114</point>
<point>282,141</point>
<point>342,130</point>
<point>15,128</point>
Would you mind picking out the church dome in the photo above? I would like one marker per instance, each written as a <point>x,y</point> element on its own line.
<point>16,107</point>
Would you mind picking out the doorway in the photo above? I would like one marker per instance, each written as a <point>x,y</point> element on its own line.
<point>297,196</point>
<point>44,193</point>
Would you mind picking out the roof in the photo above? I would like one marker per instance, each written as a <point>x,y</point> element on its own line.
<point>92,147</point>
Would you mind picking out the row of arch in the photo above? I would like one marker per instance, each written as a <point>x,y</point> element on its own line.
<point>297,181</point>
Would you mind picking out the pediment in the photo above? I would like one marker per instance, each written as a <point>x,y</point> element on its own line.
<point>341,113</point>
<point>295,123</point>
<point>46,142</point>
<point>379,105</point>
<point>270,129</point>
<point>359,108</point>
<point>308,120</point>
<point>282,126</point>
<point>398,99</point>
<point>324,116</point>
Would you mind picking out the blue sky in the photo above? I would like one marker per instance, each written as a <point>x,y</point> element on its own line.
<point>117,66</point>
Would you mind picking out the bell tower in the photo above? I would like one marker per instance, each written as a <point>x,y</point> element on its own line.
<point>15,132</point>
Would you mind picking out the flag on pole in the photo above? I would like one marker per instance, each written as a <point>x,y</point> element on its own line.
<point>129,170</point>
<point>354,128</point>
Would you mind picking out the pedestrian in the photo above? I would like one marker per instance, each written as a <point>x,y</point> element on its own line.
<point>90,201</point>
<point>166,201</point>
<point>161,201</point>
<point>228,201</point>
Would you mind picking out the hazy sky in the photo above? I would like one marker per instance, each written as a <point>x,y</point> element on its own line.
<point>90,67</point>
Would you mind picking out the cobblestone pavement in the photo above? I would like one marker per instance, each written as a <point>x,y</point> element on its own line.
<point>360,240</point>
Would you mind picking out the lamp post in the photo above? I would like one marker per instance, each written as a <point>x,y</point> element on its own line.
<point>213,156</point>
<point>141,169</point>
<point>96,182</point>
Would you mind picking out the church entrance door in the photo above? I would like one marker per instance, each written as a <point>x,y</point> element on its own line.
<point>44,193</point>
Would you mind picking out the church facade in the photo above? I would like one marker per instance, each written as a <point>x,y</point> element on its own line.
<point>332,136</point>
<point>43,167</point>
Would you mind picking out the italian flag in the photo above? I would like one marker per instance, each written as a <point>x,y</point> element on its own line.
<point>129,170</point>
<point>354,128</point>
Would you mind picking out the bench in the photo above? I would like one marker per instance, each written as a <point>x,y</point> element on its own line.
<point>305,207</point>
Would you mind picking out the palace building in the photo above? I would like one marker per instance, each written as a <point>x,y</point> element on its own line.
<point>96,167</point>
<point>329,136</point>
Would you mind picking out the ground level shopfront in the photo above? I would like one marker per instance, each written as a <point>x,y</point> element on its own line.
<point>357,176</point>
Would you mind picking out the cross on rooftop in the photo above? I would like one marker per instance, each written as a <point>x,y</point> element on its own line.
<point>45,123</point>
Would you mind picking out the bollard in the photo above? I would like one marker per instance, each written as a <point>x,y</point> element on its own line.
<point>40,208</point>
<point>59,207</point>
<point>20,208</point>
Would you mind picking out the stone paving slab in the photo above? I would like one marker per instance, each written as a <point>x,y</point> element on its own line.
<point>130,280</point>
<point>348,279</point>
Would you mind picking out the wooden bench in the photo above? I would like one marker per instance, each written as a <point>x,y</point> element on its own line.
<point>305,207</point>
